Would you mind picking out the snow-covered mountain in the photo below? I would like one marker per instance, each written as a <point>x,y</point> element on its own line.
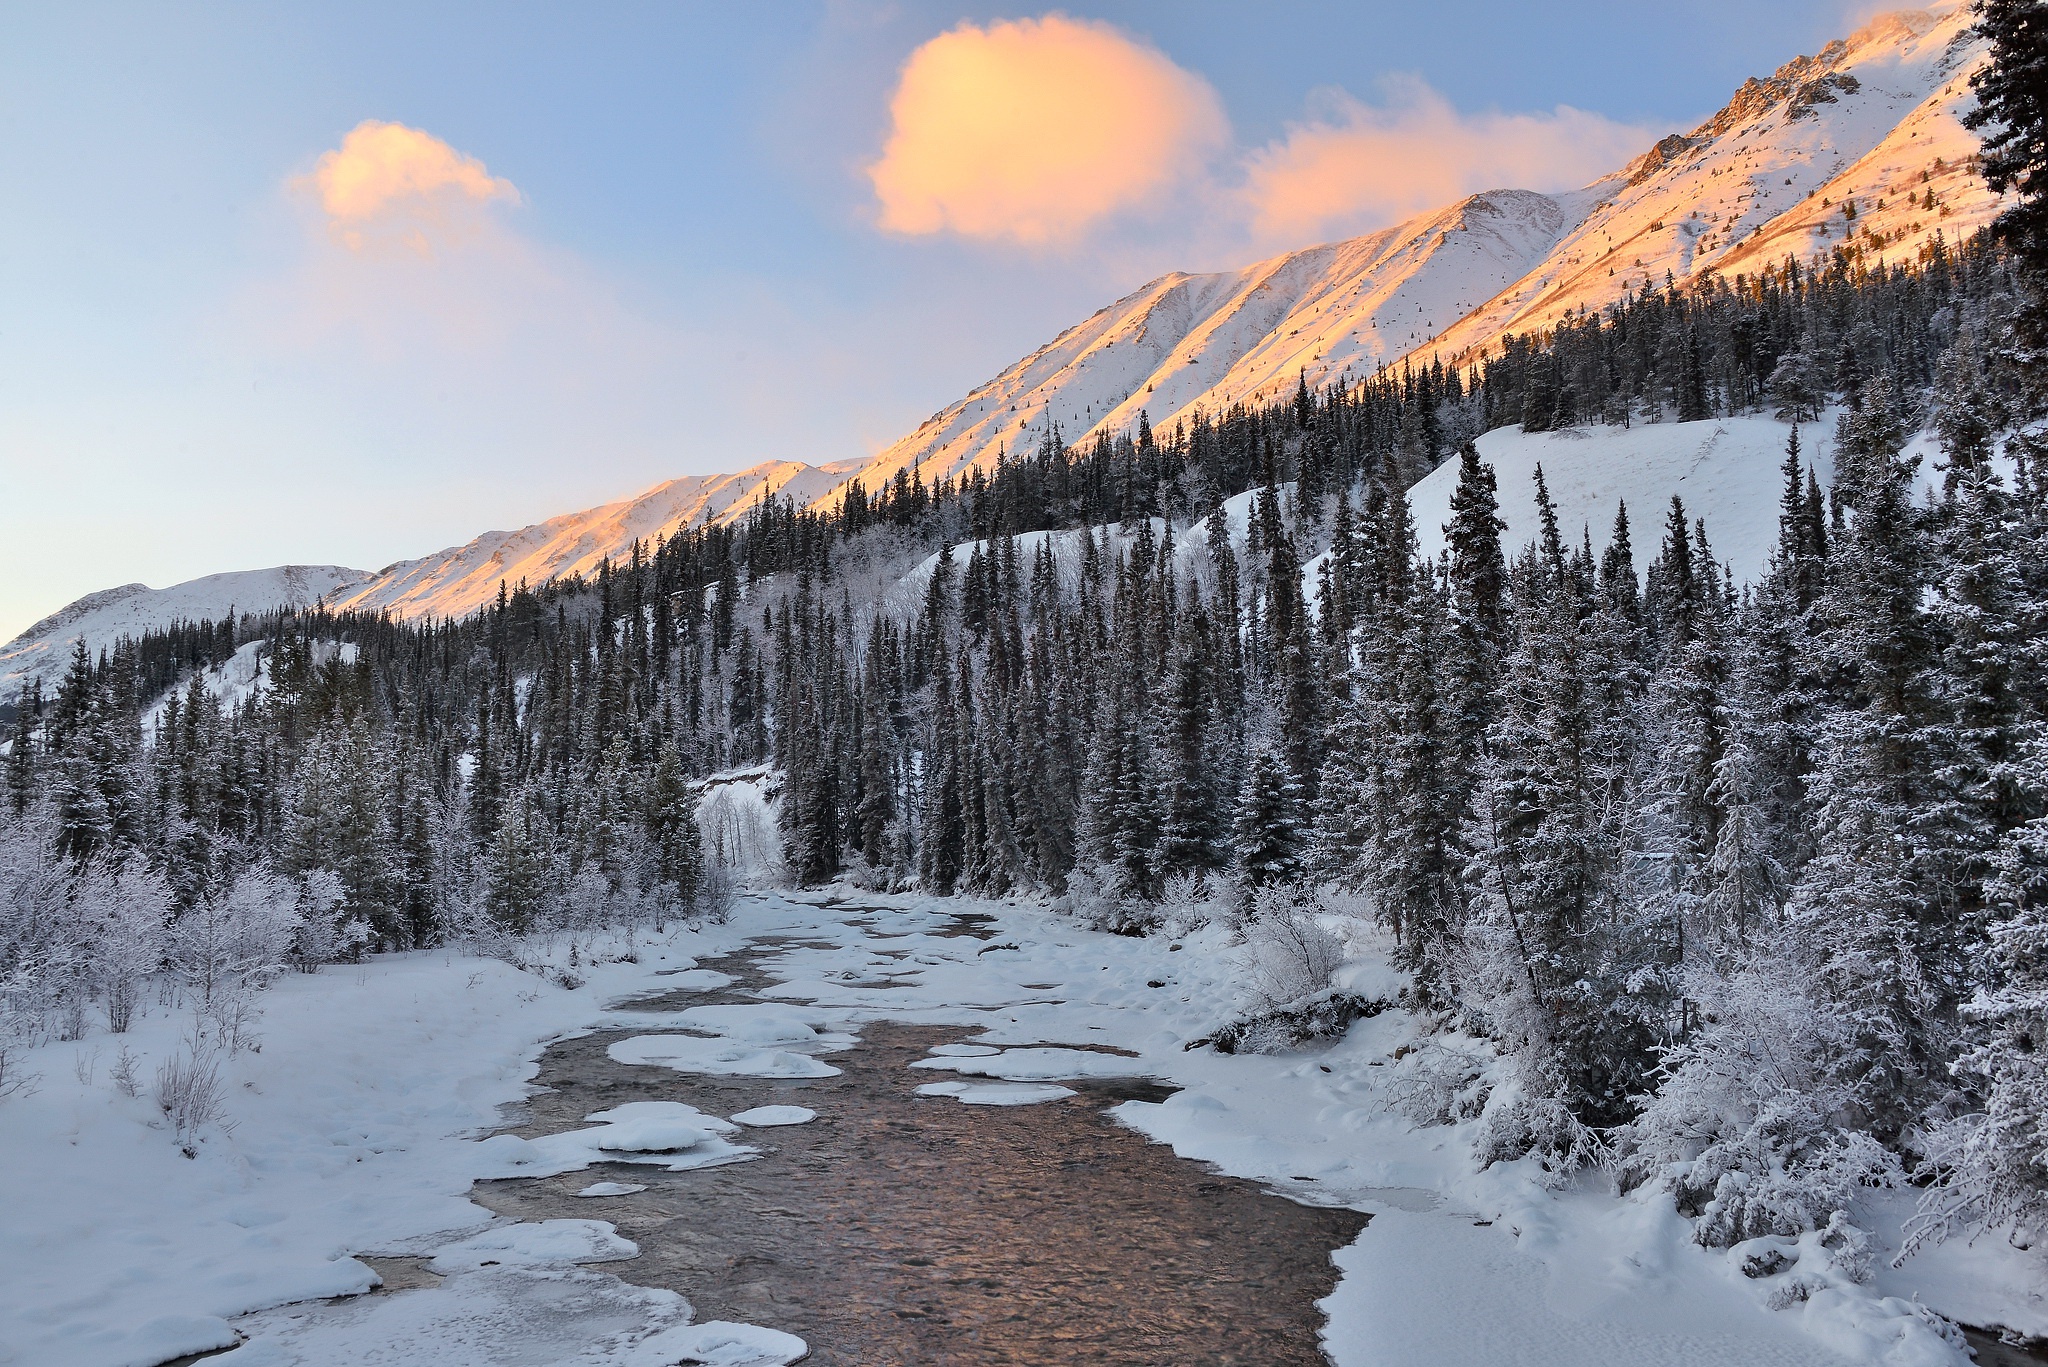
<point>1185,342</point>
<point>100,619</point>
<point>461,579</point>
<point>1871,121</point>
<point>449,583</point>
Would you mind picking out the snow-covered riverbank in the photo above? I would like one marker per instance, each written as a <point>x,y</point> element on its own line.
<point>356,1129</point>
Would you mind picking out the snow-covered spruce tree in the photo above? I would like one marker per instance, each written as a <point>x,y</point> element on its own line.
<point>671,818</point>
<point>1270,832</point>
<point>1880,923</point>
<point>520,876</point>
<point>1992,1164</point>
<point>1568,977</point>
<point>1391,801</point>
<point>2012,117</point>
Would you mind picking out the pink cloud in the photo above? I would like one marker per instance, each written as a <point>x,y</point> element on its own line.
<point>1034,130</point>
<point>390,182</point>
<point>1354,165</point>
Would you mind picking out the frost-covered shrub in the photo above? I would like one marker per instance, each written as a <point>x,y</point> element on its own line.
<point>1288,961</point>
<point>1521,1122</point>
<point>1440,1084</point>
<point>1749,1130</point>
<point>17,1027</point>
<point>714,895</point>
<point>324,935</point>
<point>228,947</point>
<point>237,939</point>
<point>1187,902</point>
<point>188,1092</point>
<point>1289,955</point>
<point>129,910</point>
<point>1183,899</point>
<point>1097,898</point>
<point>472,925</point>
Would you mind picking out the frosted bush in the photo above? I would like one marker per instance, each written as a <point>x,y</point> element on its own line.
<point>129,910</point>
<point>714,895</point>
<point>1188,901</point>
<point>17,1026</point>
<point>1287,965</point>
<point>1440,1085</point>
<point>323,935</point>
<point>1748,1130</point>
<point>1523,1122</point>
<point>240,938</point>
<point>1096,898</point>
<point>1289,956</point>
<point>188,1092</point>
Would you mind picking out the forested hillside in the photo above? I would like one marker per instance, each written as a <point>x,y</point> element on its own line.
<point>1743,880</point>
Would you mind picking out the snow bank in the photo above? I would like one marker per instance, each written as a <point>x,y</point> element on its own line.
<point>352,1132</point>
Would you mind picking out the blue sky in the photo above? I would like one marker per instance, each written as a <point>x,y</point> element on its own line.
<point>687,264</point>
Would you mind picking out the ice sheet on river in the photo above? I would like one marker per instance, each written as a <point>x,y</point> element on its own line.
<point>717,1057</point>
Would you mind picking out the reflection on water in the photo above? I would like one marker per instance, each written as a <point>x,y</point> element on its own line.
<point>900,1229</point>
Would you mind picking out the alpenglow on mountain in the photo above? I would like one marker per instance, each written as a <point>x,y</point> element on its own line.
<point>1858,147</point>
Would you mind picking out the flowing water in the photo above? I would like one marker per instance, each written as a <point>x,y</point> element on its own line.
<point>904,1229</point>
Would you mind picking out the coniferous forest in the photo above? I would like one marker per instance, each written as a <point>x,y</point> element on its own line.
<point>1747,881</point>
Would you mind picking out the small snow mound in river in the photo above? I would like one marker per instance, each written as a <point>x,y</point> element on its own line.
<point>651,1136</point>
<point>543,1244</point>
<point>762,1117</point>
<point>717,1343</point>
<point>762,1024</point>
<point>612,1188</point>
<point>996,1093</point>
<point>717,1057</point>
<point>671,1133</point>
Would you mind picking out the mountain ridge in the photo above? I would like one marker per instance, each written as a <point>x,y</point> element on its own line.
<point>1872,120</point>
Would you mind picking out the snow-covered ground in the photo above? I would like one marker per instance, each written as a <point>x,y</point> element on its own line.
<point>360,1125</point>
<point>1725,470</point>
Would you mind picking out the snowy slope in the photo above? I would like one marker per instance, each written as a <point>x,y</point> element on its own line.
<point>1206,341</point>
<point>1725,470</point>
<point>101,619</point>
<point>461,579</point>
<point>1771,174</point>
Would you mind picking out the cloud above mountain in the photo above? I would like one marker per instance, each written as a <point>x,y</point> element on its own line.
<point>1051,131</point>
<point>1352,164</point>
<point>1033,131</point>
